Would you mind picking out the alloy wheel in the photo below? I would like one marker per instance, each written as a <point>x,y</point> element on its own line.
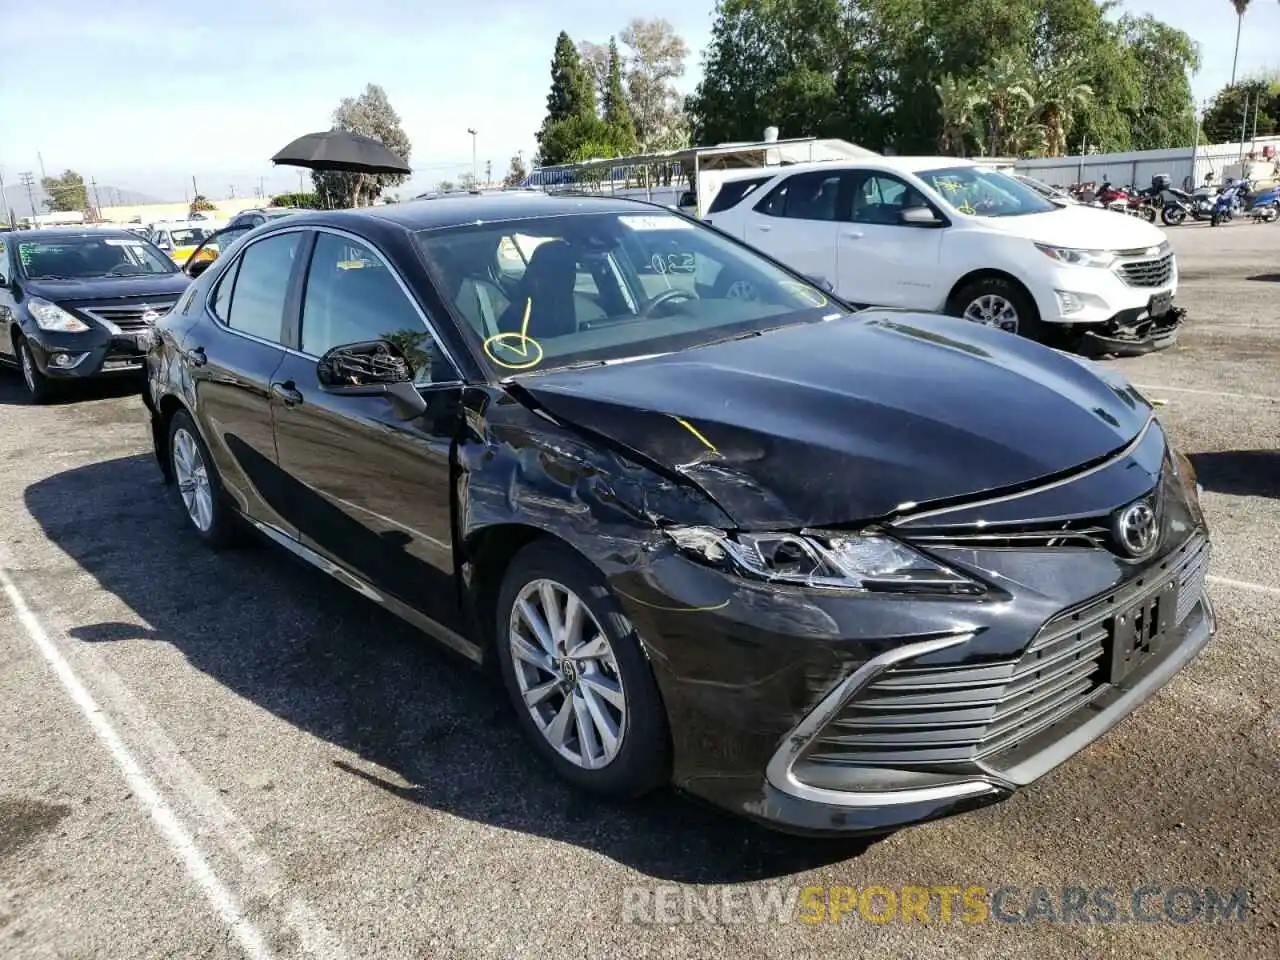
<point>192,476</point>
<point>28,368</point>
<point>567,674</point>
<point>992,310</point>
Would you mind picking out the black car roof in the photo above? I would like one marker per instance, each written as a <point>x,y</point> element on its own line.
<point>66,233</point>
<point>453,211</point>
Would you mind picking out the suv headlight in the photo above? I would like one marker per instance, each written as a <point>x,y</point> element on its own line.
<point>51,317</point>
<point>1078,258</point>
<point>866,562</point>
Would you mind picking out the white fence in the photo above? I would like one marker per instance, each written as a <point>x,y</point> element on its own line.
<point>1138,167</point>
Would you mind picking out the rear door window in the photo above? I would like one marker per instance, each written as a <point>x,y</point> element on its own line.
<point>734,192</point>
<point>262,286</point>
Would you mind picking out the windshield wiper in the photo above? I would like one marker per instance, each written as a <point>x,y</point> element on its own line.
<point>53,276</point>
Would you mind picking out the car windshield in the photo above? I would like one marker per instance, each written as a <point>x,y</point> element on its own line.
<point>985,193</point>
<point>542,294</point>
<point>86,258</point>
<point>190,237</point>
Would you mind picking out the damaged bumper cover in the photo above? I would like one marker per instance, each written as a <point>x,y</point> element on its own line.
<point>1125,335</point>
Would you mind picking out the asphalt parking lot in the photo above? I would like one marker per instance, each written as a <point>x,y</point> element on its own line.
<point>230,756</point>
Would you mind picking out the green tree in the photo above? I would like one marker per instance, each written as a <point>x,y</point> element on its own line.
<point>871,71</point>
<point>1232,108</point>
<point>516,172</point>
<point>563,141</point>
<point>308,201</point>
<point>616,110</point>
<point>201,203</point>
<point>65,193</point>
<point>444,186</point>
<point>959,103</point>
<point>572,97</point>
<point>656,59</point>
<point>595,60</point>
<point>371,115</point>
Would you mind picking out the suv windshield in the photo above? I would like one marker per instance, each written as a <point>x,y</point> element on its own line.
<point>86,258</point>
<point>542,294</point>
<point>985,193</point>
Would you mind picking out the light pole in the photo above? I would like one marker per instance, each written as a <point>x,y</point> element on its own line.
<point>474,169</point>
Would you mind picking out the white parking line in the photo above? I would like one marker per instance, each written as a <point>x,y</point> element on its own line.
<point>1207,393</point>
<point>171,828</point>
<point>1245,585</point>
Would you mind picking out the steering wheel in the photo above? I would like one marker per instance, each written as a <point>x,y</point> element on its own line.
<point>666,296</point>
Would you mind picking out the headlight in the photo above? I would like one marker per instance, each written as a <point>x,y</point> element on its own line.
<point>1078,258</point>
<point>868,562</point>
<point>50,316</point>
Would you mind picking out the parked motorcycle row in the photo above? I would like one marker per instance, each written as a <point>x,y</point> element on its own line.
<point>1218,204</point>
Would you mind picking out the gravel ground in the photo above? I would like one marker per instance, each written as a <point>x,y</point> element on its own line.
<point>256,763</point>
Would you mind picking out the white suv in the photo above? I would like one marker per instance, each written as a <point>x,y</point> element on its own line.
<point>950,236</point>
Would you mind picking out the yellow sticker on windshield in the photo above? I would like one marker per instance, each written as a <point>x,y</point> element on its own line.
<point>805,293</point>
<point>517,343</point>
<point>353,264</point>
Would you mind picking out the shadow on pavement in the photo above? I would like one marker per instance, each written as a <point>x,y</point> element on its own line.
<point>331,663</point>
<point>1266,277</point>
<point>13,392</point>
<point>1243,473</point>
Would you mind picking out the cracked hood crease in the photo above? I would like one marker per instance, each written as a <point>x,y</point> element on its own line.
<point>845,421</point>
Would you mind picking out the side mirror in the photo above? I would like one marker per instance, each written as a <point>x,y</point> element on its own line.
<point>197,267</point>
<point>920,217</point>
<point>372,368</point>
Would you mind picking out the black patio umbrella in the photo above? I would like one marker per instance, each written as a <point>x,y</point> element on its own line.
<point>340,150</point>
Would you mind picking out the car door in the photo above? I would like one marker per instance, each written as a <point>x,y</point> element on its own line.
<point>880,259</point>
<point>7,306</point>
<point>232,356</point>
<point>372,491</point>
<point>797,223</point>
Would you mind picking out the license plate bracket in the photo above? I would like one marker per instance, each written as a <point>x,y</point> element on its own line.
<point>1160,304</point>
<point>1140,632</point>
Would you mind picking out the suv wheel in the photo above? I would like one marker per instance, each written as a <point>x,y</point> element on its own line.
<point>999,303</point>
<point>581,685</point>
<point>197,485</point>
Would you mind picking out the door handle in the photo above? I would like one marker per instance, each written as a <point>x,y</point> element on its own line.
<point>196,357</point>
<point>287,393</point>
<point>851,234</point>
<point>763,228</point>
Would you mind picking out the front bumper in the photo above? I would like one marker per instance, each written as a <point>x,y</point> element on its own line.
<point>753,679</point>
<point>1088,296</point>
<point>93,353</point>
<point>1133,333</point>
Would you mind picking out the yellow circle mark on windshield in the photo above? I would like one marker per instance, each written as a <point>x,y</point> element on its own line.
<point>807,294</point>
<point>967,208</point>
<point>518,343</point>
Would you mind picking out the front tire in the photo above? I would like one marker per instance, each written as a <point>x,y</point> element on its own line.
<point>40,388</point>
<point>996,302</point>
<point>197,486</point>
<point>582,688</point>
<point>1173,216</point>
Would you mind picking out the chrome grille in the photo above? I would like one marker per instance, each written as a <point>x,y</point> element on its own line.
<point>128,317</point>
<point>921,717</point>
<point>1147,273</point>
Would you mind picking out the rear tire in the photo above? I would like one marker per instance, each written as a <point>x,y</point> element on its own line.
<point>197,486</point>
<point>1000,303</point>
<point>40,389</point>
<point>1172,216</point>
<point>584,696</point>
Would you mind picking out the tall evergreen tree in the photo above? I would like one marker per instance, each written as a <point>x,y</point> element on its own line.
<point>617,112</point>
<point>572,93</point>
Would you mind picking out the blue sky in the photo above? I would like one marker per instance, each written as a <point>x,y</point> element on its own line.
<point>151,94</point>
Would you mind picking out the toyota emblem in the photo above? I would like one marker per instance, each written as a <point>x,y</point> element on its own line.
<point>1137,529</point>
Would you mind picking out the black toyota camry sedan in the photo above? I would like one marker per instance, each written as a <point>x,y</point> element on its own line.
<point>77,304</point>
<point>833,570</point>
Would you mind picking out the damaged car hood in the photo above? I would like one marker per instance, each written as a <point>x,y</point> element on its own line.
<point>848,420</point>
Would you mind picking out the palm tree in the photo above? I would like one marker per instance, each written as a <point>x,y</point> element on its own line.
<point>1058,95</point>
<point>1006,84</point>
<point>1241,6</point>
<point>958,100</point>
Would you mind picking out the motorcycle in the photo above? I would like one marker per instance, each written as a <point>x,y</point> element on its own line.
<point>1112,198</point>
<point>1266,206</point>
<point>1175,205</point>
<point>1228,202</point>
<point>1202,202</point>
